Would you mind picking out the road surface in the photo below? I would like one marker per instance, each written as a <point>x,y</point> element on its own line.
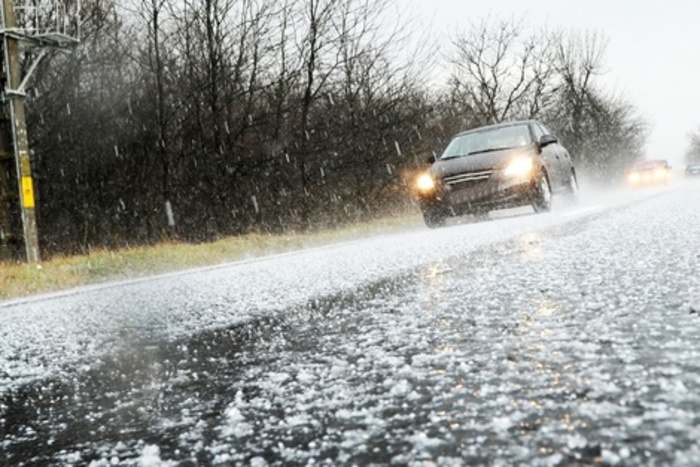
<point>566,338</point>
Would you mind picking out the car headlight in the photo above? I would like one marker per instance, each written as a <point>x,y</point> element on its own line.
<point>425,183</point>
<point>660,173</point>
<point>521,166</point>
<point>634,177</point>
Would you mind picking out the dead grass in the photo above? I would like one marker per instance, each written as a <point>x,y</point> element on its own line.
<point>20,280</point>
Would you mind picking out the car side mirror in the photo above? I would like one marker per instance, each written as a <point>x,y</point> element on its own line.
<point>431,159</point>
<point>546,140</point>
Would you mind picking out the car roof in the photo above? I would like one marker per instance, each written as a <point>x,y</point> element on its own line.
<point>648,162</point>
<point>497,125</point>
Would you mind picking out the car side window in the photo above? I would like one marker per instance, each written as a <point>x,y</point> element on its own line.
<point>537,132</point>
<point>544,129</point>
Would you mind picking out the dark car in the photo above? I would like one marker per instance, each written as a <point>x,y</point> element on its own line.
<point>493,167</point>
<point>692,170</point>
<point>649,172</point>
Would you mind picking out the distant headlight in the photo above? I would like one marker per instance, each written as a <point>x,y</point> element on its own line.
<point>425,183</point>
<point>520,167</point>
<point>634,177</point>
<point>660,173</point>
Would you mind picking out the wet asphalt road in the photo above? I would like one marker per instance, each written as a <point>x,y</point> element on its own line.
<point>573,343</point>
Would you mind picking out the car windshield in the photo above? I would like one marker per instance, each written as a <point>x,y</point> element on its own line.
<point>487,140</point>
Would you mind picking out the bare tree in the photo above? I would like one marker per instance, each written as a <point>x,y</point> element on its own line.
<point>579,62</point>
<point>154,17</point>
<point>316,37</point>
<point>501,73</point>
<point>78,122</point>
<point>369,99</point>
<point>602,131</point>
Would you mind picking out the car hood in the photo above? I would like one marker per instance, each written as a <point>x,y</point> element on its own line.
<point>478,162</point>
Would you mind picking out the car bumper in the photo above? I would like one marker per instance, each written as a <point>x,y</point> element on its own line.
<point>479,197</point>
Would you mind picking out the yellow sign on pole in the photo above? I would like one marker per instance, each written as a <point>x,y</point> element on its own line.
<point>28,192</point>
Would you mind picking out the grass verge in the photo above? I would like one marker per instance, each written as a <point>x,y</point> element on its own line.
<point>20,280</point>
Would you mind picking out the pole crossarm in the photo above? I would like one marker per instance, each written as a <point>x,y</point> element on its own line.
<point>53,40</point>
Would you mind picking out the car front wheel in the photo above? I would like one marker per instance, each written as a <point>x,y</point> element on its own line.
<point>542,197</point>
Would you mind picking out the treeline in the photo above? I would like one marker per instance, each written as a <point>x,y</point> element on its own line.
<point>199,119</point>
<point>692,155</point>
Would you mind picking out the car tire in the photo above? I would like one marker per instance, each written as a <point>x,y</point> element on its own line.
<point>433,218</point>
<point>542,196</point>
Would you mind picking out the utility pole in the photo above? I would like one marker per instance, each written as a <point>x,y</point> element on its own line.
<point>14,97</point>
<point>13,125</point>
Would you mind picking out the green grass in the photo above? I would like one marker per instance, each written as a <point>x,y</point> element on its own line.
<point>59,273</point>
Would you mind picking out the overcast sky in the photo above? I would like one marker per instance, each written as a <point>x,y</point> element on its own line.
<point>653,55</point>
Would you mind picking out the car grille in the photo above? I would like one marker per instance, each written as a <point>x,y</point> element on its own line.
<point>470,177</point>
